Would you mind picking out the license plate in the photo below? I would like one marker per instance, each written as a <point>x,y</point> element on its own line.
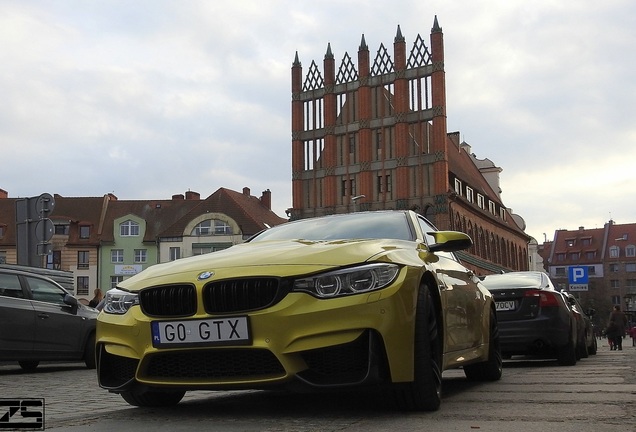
<point>204,332</point>
<point>505,305</point>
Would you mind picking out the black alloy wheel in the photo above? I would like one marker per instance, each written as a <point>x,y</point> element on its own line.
<point>424,393</point>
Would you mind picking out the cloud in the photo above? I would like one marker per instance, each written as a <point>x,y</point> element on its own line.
<point>151,98</point>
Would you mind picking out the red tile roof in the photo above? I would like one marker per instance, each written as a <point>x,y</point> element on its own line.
<point>248,211</point>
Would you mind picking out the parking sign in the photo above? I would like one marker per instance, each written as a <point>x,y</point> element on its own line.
<point>578,278</point>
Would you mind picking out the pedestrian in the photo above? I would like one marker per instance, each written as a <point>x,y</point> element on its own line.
<point>632,333</point>
<point>616,328</point>
<point>97,298</point>
<point>612,333</point>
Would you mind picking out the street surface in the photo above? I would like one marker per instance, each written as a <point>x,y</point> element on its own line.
<point>598,394</point>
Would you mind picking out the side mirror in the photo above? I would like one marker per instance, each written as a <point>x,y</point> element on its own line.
<point>571,301</point>
<point>449,241</point>
<point>71,301</point>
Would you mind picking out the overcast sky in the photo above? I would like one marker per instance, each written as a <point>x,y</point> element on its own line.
<point>150,98</point>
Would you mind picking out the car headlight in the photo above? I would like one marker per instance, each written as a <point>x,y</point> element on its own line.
<point>119,301</point>
<point>354,280</point>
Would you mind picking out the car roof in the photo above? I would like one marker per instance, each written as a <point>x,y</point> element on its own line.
<point>527,279</point>
<point>6,270</point>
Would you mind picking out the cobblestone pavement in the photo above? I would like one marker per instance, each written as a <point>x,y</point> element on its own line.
<point>599,393</point>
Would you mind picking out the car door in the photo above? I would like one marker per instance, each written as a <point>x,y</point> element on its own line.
<point>58,329</point>
<point>17,318</point>
<point>464,305</point>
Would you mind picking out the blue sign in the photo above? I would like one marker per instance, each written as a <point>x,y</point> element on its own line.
<point>577,275</point>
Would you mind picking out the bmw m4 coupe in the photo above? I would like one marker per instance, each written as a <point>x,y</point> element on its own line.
<point>351,300</point>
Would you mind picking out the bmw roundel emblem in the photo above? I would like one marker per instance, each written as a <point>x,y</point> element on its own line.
<point>205,275</point>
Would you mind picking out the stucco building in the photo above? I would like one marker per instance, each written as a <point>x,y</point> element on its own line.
<point>103,240</point>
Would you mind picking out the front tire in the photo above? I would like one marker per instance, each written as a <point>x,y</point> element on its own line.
<point>142,397</point>
<point>89,352</point>
<point>491,369</point>
<point>424,393</point>
<point>28,365</point>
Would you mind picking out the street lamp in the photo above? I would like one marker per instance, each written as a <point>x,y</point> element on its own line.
<point>355,199</point>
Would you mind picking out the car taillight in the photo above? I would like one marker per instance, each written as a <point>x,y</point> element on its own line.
<point>545,298</point>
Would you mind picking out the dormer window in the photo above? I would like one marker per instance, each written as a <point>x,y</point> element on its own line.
<point>458,187</point>
<point>84,231</point>
<point>129,229</point>
<point>469,194</point>
<point>480,201</point>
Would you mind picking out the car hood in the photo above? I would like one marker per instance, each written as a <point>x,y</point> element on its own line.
<point>267,258</point>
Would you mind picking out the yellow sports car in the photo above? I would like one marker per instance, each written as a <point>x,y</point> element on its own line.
<point>360,299</point>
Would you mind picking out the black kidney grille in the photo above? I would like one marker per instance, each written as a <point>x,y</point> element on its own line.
<point>239,295</point>
<point>169,301</point>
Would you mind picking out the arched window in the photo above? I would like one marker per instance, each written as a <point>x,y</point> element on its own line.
<point>429,213</point>
<point>211,227</point>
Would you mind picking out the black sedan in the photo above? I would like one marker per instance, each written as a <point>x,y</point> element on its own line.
<point>534,318</point>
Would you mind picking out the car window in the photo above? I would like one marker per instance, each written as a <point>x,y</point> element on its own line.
<point>43,290</point>
<point>10,286</point>
<point>427,228</point>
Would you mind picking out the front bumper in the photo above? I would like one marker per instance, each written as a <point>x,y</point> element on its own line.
<point>300,340</point>
<point>360,362</point>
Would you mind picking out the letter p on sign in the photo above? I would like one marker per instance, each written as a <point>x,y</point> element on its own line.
<point>577,275</point>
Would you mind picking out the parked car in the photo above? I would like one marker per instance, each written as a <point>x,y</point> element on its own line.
<point>586,343</point>
<point>41,321</point>
<point>534,318</point>
<point>368,298</point>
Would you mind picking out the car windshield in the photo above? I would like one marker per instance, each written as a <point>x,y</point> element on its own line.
<point>364,225</point>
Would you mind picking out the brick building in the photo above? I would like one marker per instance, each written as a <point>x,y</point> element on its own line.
<point>374,136</point>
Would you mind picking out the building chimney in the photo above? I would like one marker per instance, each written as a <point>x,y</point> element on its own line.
<point>3,194</point>
<point>191,195</point>
<point>246,191</point>
<point>177,197</point>
<point>266,199</point>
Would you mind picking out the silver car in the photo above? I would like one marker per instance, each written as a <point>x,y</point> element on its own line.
<point>41,321</point>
